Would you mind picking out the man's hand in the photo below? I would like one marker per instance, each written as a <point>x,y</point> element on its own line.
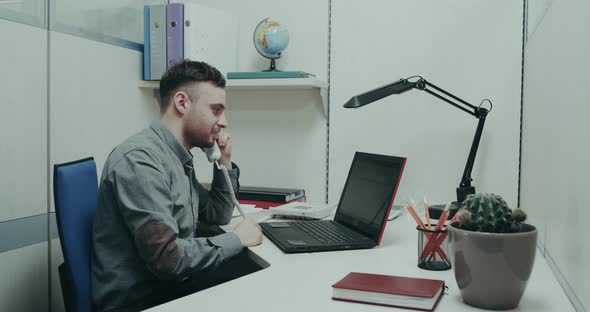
<point>224,144</point>
<point>249,233</point>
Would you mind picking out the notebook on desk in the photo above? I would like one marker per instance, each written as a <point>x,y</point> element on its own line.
<point>361,215</point>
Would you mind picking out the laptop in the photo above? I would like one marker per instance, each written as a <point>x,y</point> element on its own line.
<point>361,215</point>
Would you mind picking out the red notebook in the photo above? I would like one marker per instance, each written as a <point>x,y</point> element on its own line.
<point>395,291</point>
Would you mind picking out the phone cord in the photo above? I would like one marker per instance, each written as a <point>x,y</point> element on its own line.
<point>228,182</point>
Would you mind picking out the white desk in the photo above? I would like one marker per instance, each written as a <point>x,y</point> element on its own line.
<point>301,282</point>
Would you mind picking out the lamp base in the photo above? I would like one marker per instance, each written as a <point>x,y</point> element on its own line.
<point>436,210</point>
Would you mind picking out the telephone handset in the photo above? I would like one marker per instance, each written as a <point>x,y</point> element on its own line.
<point>213,155</point>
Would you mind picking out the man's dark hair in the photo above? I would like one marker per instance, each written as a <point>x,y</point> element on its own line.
<point>184,73</point>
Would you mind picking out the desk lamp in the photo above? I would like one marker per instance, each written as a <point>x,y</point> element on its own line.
<point>465,188</point>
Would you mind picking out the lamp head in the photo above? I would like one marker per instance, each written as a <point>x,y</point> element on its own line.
<point>371,96</point>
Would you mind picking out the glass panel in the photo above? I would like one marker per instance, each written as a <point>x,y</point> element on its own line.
<point>118,22</point>
<point>31,12</point>
<point>23,121</point>
<point>535,13</point>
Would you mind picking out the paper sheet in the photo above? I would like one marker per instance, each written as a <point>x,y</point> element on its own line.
<point>248,209</point>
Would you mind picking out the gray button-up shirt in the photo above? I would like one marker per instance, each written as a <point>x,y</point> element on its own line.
<point>149,202</point>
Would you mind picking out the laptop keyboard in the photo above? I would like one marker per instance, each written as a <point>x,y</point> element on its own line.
<point>325,232</point>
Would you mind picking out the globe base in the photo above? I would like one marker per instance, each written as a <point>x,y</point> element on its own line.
<point>273,67</point>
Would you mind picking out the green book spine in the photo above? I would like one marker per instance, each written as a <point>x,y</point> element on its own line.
<point>266,75</point>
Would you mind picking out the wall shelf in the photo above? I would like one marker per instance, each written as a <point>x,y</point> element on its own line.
<point>268,85</point>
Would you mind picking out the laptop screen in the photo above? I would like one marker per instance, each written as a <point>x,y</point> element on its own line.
<point>369,192</point>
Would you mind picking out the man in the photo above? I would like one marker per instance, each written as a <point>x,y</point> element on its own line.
<point>145,243</point>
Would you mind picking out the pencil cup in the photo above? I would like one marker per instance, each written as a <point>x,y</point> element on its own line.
<point>433,249</point>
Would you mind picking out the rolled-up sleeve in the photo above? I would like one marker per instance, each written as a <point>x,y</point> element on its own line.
<point>146,203</point>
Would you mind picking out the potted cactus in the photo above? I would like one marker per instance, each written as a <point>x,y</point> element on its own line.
<point>492,251</point>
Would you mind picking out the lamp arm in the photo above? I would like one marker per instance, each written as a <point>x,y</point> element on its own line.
<point>465,188</point>
<point>423,85</point>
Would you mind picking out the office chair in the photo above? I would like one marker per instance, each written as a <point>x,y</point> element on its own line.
<point>75,189</point>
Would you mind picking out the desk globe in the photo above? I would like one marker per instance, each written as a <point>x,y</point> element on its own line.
<point>270,40</point>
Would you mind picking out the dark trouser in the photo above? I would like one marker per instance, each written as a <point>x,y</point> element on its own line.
<point>238,266</point>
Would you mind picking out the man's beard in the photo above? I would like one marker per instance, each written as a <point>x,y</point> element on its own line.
<point>196,139</point>
<point>199,142</point>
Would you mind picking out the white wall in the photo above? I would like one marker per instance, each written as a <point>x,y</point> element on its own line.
<point>554,141</point>
<point>306,21</point>
<point>472,49</point>
<point>279,137</point>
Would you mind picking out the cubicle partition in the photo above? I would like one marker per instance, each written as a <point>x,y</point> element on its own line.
<point>69,89</point>
<point>554,175</point>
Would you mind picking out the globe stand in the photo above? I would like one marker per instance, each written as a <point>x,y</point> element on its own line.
<point>272,67</point>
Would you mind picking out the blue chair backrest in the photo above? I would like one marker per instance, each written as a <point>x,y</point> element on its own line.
<point>75,189</point>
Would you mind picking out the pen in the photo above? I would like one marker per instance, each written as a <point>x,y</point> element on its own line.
<point>438,241</point>
<point>443,217</point>
<point>431,248</point>
<point>415,216</point>
<point>434,243</point>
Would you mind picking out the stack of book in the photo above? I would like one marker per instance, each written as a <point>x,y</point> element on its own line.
<point>267,197</point>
